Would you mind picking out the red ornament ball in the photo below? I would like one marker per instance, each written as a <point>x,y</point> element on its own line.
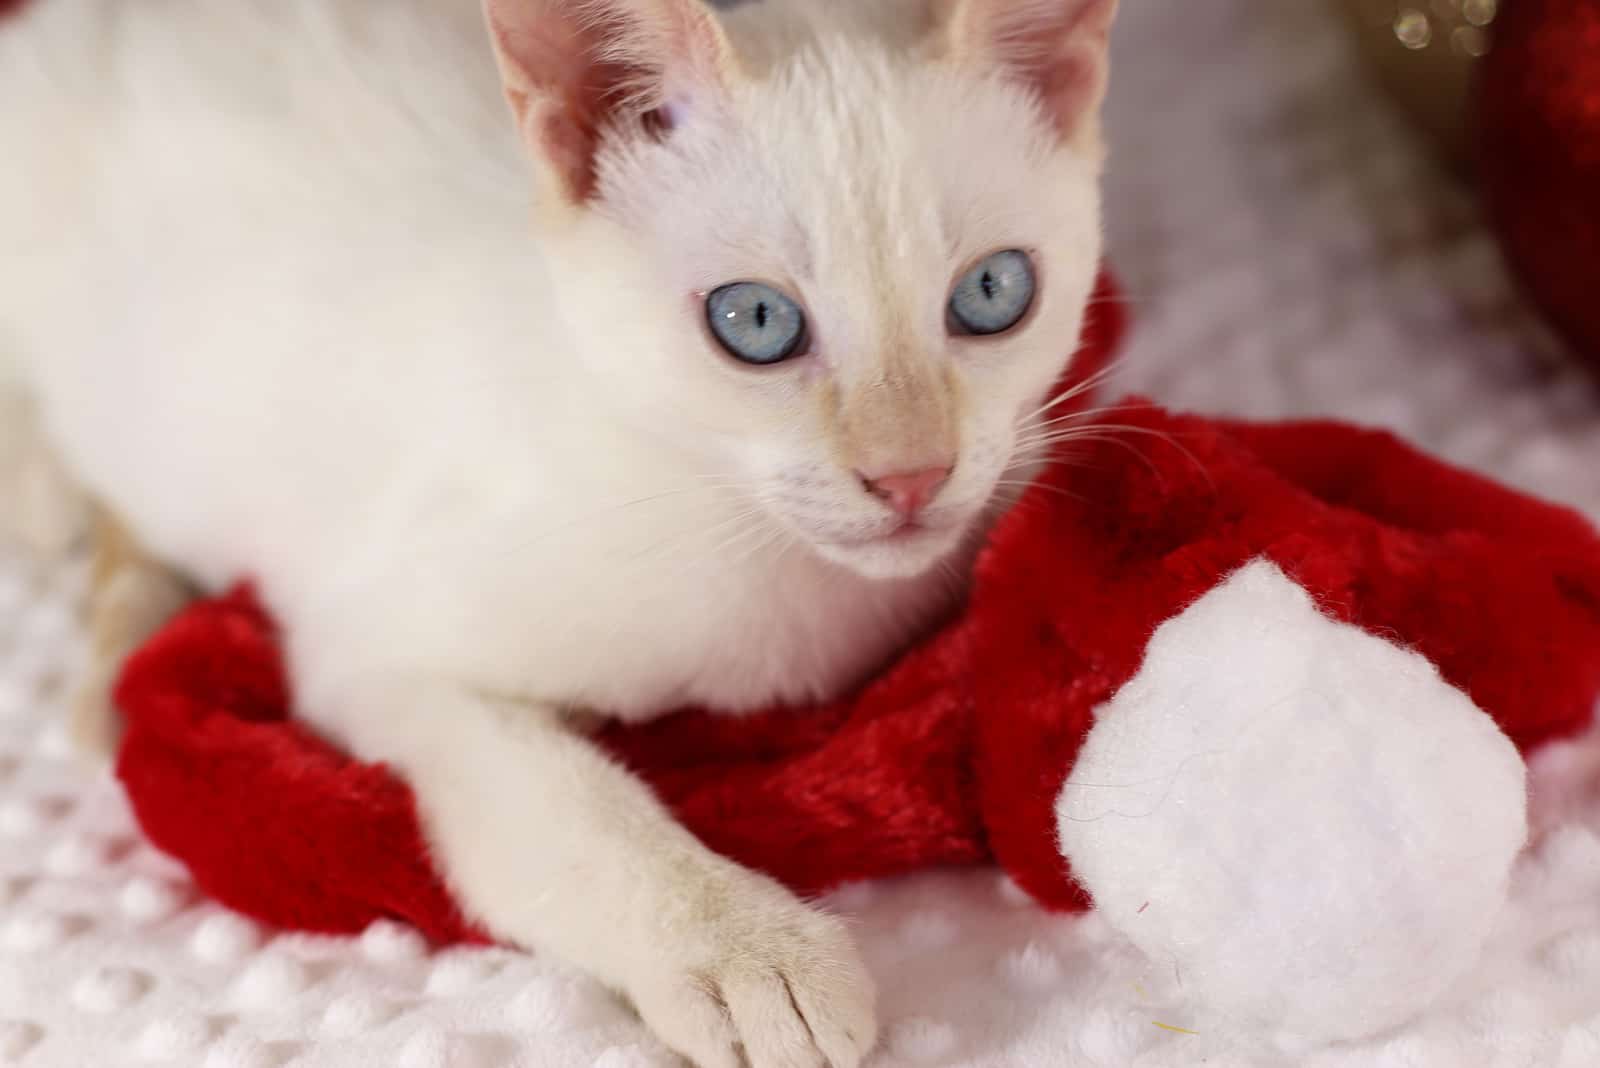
<point>1539,144</point>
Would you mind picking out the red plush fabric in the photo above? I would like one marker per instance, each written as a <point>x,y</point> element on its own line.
<point>956,754</point>
<point>270,819</point>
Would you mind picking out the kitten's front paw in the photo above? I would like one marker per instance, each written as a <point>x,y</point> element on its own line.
<point>759,980</point>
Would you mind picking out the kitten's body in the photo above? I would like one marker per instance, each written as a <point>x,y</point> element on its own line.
<point>268,446</point>
<point>276,293</point>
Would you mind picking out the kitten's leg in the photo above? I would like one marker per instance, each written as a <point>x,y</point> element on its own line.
<point>40,505</point>
<point>553,846</point>
<point>130,595</point>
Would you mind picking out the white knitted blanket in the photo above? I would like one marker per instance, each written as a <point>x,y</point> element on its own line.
<point>1288,251</point>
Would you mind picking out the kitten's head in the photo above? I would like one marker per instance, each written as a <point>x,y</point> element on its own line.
<point>848,265</point>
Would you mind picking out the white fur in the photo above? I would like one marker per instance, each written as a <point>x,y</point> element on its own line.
<point>276,285</point>
<point>1308,825</point>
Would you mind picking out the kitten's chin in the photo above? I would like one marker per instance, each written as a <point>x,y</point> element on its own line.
<point>905,554</point>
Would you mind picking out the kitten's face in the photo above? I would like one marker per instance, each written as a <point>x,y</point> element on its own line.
<point>871,415</point>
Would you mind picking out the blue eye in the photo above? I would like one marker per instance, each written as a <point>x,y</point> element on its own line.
<point>755,323</point>
<point>993,296</point>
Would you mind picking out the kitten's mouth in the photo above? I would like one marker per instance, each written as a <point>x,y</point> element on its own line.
<point>902,551</point>
<point>906,532</point>
<point>915,534</point>
<point>910,540</point>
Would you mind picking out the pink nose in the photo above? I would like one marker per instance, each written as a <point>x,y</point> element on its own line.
<point>907,492</point>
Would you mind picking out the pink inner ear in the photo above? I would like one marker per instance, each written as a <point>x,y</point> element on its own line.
<point>1071,84</point>
<point>561,90</point>
<point>570,149</point>
<point>545,53</point>
<point>1057,47</point>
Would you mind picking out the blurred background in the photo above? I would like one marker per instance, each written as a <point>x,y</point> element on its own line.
<point>1309,206</point>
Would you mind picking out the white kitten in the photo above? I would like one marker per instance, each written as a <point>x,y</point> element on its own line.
<point>497,449</point>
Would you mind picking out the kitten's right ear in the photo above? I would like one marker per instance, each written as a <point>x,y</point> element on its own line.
<point>1058,49</point>
<point>574,68</point>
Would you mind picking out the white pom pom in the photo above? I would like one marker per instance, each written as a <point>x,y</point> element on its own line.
<point>1303,821</point>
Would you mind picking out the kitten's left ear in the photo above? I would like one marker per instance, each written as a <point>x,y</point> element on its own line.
<point>575,69</point>
<point>1057,48</point>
